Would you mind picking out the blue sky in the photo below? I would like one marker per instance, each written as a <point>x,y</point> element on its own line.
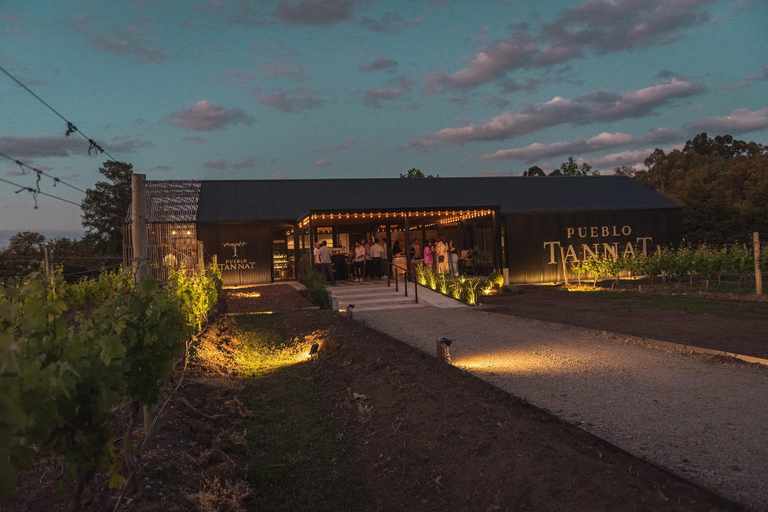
<point>229,89</point>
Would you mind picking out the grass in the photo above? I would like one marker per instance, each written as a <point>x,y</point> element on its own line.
<point>299,450</point>
<point>674,300</point>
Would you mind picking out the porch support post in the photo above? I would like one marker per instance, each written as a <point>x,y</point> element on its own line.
<point>496,242</point>
<point>407,251</point>
<point>311,243</point>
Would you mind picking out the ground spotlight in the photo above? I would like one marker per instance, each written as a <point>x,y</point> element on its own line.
<point>313,350</point>
<point>442,352</point>
<point>349,311</point>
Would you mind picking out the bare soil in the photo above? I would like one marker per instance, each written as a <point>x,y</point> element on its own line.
<point>735,324</point>
<point>419,435</point>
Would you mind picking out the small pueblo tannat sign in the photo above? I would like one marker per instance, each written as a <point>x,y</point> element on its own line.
<point>237,262</point>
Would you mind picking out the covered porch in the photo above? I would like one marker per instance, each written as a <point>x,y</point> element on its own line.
<point>475,228</point>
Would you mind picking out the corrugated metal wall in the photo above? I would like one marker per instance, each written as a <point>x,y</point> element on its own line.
<point>533,258</point>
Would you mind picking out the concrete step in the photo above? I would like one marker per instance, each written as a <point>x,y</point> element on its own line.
<point>408,305</point>
<point>374,300</point>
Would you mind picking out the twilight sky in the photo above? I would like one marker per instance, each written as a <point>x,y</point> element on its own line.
<point>230,89</point>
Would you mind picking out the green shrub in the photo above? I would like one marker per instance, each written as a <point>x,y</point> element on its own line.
<point>496,279</point>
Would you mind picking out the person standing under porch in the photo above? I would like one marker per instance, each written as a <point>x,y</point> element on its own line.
<point>453,256</point>
<point>441,249</point>
<point>316,256</point>
<point>377,252</point>
<point>429,256</point>
<point>368,259</point>
<point>359,261</point>
<point>325,262</point>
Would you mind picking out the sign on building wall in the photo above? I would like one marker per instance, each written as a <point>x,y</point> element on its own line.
<point>584,242</point>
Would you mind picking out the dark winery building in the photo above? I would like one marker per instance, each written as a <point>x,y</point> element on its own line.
<point>522,226</point>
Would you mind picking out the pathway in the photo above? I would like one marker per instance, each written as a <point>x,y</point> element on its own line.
<point>701,417</point>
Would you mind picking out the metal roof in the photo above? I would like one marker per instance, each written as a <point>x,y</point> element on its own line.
<point>252,200</point>
<point>171,201</point>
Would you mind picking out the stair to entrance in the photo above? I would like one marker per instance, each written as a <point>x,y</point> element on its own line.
<point>372,296</point>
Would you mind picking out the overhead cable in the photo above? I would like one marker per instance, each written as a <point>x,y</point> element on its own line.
<point>39,172</point>
<point>36,191</point>
<point>71,128</point>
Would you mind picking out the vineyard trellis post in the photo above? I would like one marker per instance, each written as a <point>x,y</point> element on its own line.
<point>48,265</point>
<point>758,272</point>
<point>139,226</point>
<point>140,254</point>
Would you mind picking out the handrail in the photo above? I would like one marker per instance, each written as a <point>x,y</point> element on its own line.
<point>405,279</point>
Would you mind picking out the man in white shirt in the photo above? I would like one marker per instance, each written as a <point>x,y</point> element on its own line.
<point>325,262</point>
<point>316,256</point>
<point>377,252</point>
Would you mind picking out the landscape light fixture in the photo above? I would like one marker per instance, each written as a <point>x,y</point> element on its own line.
<point>349,311</point>
<point>442,352</point>
<point>313,350</point>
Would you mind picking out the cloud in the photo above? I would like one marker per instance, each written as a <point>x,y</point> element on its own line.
<point>324,163</point>
<point>421,145</point>
<point>132,41</point>
<point>161,168</point>
<point>246,15</point>
<point>21,147</point>
<point>316,12</point>
<point>241,77</point>
<point>204,117</point>
<point>741,120</point>
<point>536,152</point>
<point>278,176</point>
<point>197,139</point>
<point>389,23</point>
<point>283,68</point>
<point>596,106</point>
<point>337,147</point>
<point>399,87</point>
<point>663,136</point>
<point>128,144</point>
<point>495,101</point>
<point>760,76</point>
<point>216,165</point>
<point>600,26</point>
<point>296,100</point>
<point>381,64</point>
<point>248,163</point>
<point>613,160</point>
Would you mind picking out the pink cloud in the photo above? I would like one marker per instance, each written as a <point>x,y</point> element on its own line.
<point>205,117</point>
<point>324,163</point>
<point>600,26</point>
<point>248,163</point>
<point>537,151</point>
<point>216,165</point>
<point>337,147</point>
<point>597,106</point>
<point>197,139</point>
<point>296,100</point>
<point>42,146</point>
<point>316,12</point>
<point>741,120</point>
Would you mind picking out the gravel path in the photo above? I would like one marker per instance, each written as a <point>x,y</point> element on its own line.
<point>702,417</point>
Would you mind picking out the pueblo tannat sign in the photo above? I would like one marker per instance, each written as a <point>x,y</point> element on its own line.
<point>237,261</point>
<point>584,242</point>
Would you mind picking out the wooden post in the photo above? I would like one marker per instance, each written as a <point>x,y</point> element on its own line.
<point>215,260</point>
<point>140,263</point>
<point>758,272</point>
<point>200,260</point>
<point>139,226</point>
<point>48,266</point>
<point>562,262</point>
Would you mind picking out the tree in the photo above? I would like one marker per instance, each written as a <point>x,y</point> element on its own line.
<point>106,205</point>
<point>534,171</point>
<point>571,168</point>
<point>416,173</point>
<point>25,243</point>
<point>625,170</point>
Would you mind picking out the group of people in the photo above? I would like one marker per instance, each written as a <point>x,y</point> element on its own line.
<point>441,257</point>
<point>370,257</point>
